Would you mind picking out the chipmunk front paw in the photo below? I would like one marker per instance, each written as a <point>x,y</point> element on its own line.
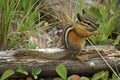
<point>82,58</point>
<point>95,32</point>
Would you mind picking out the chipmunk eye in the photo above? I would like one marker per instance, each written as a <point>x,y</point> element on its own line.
<point>88,23</point>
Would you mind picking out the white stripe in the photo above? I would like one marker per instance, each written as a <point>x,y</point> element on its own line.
<point>66,35</point>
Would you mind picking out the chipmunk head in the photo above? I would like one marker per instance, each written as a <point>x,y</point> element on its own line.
<point>87,22</point>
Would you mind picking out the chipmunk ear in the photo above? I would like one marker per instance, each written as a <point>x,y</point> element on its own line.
<point>79,17</point>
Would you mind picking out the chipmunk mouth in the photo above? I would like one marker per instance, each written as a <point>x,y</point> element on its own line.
<point>91,30</point>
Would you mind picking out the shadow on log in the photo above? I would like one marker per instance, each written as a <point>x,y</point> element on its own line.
<point>93,64</point>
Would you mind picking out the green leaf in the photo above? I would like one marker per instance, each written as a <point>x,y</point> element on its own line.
<point>25,5</point>
<point>102,9</point>
<point>110,26</point>
<point>7,74</point>
<point>94,39</point>
<point>40,23</point>
<point>1,4</point>
<point>99,75</point>
<point>114,77</point>
<point>58,79</point>
<point>117,40</point>
<point>106,75</point>
<point>62,71</point>
<point>21,70</point>
<point>31,46</point>
<point>36,72</point>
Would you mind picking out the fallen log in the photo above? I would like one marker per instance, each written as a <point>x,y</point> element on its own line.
<point>90,66</point>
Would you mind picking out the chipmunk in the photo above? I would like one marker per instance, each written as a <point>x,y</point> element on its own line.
<point>73,39</point>
<point>75,35</point>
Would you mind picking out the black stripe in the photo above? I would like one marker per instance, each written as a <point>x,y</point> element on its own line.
<point>65,34</point>
<point>93,24</point>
